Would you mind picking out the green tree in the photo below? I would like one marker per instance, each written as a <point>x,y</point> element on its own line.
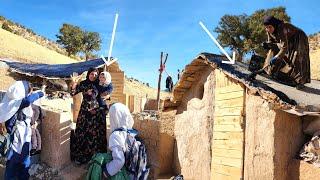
<point>71,38</point>
<point>232,31</point>
<point>244,33</point>
<point>91,42</point>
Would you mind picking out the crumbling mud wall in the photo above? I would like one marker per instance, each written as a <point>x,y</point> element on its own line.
<point>193,128</point>
<point>273,139</point>
<point>148,127</point>
<point>157,132</point>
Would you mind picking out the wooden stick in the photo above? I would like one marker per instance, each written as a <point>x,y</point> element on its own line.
<point>159,82</point>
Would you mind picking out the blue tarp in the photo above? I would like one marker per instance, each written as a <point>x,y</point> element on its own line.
<point>53,71</point>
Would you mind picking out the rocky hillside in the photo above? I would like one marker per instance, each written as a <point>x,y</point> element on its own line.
<point>28,34</point>
<point>15,47</point>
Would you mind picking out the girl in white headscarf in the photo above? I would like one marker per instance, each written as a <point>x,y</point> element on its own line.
<point>16,112</point>
<point>120,117</point>
<point>105,87</point>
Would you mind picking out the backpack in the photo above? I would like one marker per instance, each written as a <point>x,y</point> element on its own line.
<point>135,155</point>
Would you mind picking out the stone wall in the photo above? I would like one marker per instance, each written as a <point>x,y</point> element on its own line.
<point>193,128</point>
<point>273,138</point>
<point>152,104</point>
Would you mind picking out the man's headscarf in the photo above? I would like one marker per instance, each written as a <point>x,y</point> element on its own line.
<point>271,20</point>
<point>120,117</point>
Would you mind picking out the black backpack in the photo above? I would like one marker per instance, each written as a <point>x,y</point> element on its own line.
<point>135,155</point>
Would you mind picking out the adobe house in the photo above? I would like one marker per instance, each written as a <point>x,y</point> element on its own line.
<point>228,128</point>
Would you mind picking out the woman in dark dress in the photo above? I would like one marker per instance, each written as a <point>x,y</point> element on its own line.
<point>90,132</point>
<point>292,48</point>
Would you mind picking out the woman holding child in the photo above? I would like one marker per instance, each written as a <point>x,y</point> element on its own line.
<point>90,132</point>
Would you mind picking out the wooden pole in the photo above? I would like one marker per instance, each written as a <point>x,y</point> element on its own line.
<point>161,69</point>
<point>159,82</point>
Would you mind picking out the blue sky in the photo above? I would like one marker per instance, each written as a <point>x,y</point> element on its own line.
<point>147,27</point>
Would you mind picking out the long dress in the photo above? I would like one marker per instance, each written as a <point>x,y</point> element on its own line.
<point>293,49</point>
<point>90,133</point>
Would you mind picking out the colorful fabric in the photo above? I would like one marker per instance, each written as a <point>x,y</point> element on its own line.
<point>90,133</point>
<point>96,165</point>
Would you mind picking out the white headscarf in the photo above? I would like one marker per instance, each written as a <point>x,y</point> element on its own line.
<point>12,100</point>
<point>107,75</point>
<point>120,116</point>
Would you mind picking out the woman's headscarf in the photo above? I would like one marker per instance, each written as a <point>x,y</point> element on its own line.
<point>107,75</point>
<point>271,20</point>
<point>87,81</point>
<point>120,116</point>
<point>12,100</point>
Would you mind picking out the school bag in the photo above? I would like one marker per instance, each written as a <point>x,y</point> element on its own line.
<point>97,163</point>
<point>135,155</point>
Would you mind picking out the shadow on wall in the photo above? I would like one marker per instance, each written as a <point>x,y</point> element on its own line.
<point>289,139</point>
<point>177,167</point>
<point>195,91</point>
<point>166,154</point>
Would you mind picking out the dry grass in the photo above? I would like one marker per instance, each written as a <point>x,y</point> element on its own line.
<point>315,64</point>
<point>15,47</point>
